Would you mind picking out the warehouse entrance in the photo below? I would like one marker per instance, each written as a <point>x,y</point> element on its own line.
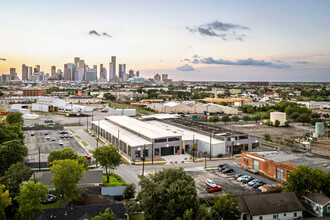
<point>167,151</point>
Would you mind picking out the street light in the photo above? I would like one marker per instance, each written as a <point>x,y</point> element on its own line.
<point>205,155</point>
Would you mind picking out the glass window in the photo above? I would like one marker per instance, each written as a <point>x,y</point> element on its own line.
<point>274,216</point>
<point>173,139</point>
<point>260,217</point>
<point>279,173</point>
<point>137,153</point>
<point>295,214</point>
<point>157,152</point>
<point>145,153</point>
<point>160,140</point>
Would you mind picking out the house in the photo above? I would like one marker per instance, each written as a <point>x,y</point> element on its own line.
<point>270,206</point>
<point>319,204</point>
<point>271,94</point>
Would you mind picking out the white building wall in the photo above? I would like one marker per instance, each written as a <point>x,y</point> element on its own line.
<point>280,216</point>
<point>216,149</point>
<point>39,107</point>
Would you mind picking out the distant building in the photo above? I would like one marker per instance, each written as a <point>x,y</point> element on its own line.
<point>37,68</point>
<point>67,73</point>
<point>120,71</point>
<point>157,78</point>
<point>91,75</point>
<point>25,72</point>
<point>53,72</point>
<point>130,73</point>
<point>30,72</point>
<point>137,74</point>
<point>164,77</point>
<point>34,92</point>
<point>278,116</point>
<point>256,84</point>
<point>5,77</point>
<point>112,70</point>
<point>13,74</point>
<point>80,70</point>
<point>319,204</point>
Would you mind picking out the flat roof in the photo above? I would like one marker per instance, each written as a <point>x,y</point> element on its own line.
<point>124,135</point>
<point>160,116</point>
<point>148,130</point>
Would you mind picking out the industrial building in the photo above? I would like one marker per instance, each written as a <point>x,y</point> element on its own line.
<point>191,107</point>
<point>278,116</point>
<point>34,92</point>
<point>56,104</point>
<point>162,137</point>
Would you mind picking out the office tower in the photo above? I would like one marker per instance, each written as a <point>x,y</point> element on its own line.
<point>80,70</point>
<point>113,61</point>
<point>53,71</point>
<point>164,77</point>
<point>37,68</point>
<point>157,78</point>
<point>76,60</point>
<point>130,73</point>
<point>30,72</point>
<point>91,75</point>
<point>13,74</point>
<point>111,72</point>
<point>137,74</point>
<point>124,68</point>
<point>67,72</point>
<point>25,74</point>
<point>101,71</point>
<point>95,68</point>
<point>120,71</point>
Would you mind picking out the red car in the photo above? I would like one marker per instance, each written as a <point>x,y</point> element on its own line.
<point>210,189</point>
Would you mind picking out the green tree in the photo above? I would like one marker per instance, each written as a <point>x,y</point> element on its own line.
<point>109,96</point>
<point>5,201</point>
<point>246,118</point>
<point>108,157</point>
<point>225,119</point>
<point>294,115</point>
<point>168,194</point>
<point>11,152</point>
<point>29,199</point>
<point>304,118</point>
<point>267,137</point>
<point>14,118</point>
<point>66,153</point>
<point>11,132</point>
<point>107,215</point>
<point>235,118</point>
<point>15,176</point>
<point>277,123</point>
<point>214,118</point>
<point>67,174</point>
<point>226,207</point>
<point>129,191</point>
<point>257,118</point>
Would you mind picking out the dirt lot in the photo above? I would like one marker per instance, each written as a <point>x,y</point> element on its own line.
<point>259,130</point>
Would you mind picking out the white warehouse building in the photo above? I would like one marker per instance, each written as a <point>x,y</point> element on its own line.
<point>139,139</point>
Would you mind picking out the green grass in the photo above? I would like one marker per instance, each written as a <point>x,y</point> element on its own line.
<point>147,164</point>
<point>115,180</point>
<point>72,131</point>
<point>84,143</point>
<point>136,216</point>
<point>262,114</point>
<point>78,137</point>
<point>56,204</point>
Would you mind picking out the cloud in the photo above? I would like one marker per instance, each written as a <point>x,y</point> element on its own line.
<point>186,68</point>
<point>3,59</point>
<point>188,60</point>
<point>106,35</point>
<point>226,31</point>
<point>94,32</point>
<point>301,62</point>
<point>243,62</point>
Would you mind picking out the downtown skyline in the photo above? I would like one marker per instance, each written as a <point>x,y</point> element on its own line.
<point>190,40</point>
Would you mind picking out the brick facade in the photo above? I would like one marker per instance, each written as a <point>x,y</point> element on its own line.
<point>270,168</point>
<point>34,92</point>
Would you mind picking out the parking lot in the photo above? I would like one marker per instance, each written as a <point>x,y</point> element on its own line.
<point>39,141</point>
<point>226,181</point>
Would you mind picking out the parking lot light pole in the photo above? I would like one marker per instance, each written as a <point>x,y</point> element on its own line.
<point>143,159</point>
<point>211,136</point>
<point>205,160</point>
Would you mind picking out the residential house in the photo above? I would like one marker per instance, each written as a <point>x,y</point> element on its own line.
<point>319,204</point>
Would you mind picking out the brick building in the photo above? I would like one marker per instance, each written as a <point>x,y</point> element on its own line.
<point>34,92</point>
<point>256,163</point>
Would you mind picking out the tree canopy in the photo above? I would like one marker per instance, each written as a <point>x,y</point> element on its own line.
<point>15,176</point>
<point>29,199</point>
<point>5,201</point>
<point>107,215</point>
<point>9,132</point>
<point>11,152</point>
<point>225,119</point>
<point>108,157</point>
<point>214,118</point>
<point>66,153</point>
<point>168,194</point>
<point>67,174</point>
<point>129,191</point>
<point>226,207</point>
<point>15,118</point>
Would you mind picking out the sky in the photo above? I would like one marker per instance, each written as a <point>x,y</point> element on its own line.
<point>255,40</point>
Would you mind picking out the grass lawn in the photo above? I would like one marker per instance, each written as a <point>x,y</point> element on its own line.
<point>262,114</point>
<point>78,137</point>
<point>136,216</point>
<point>72,131</point>
<point>115,180</point>
<point>84,143</point>
<point>56,204</point>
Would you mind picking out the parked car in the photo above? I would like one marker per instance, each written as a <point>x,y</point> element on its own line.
<point>247,179</point>
<point>227,170</point>
<point>60,143</point>
<point>252,182</point>
<point>221,166</point>
<point>210,183</point>
<point>32,134</point>
<point>50,199</point>
<point>210,189</point>
<point>53,138</point>
<point>61,135</point>
<point>70,135</point>
<point>240,179</point>
<point>88,157</point>
<point>66,135</point>
<point>46,133</point>
<point>238,175</point>
<point>257,184</point>
<point>47,137</point>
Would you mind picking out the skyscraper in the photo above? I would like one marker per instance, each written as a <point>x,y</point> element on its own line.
<point>76,60</point>
<point>124,68</point>
<point>120,71</point>
<point>37,68</point>
<point>53,71</point>
<point>130,73</point>
<point>101,71</point>
<point>157,78</point>
<point>25,74</point>
<point>137,74</point>
<point>13,74</point>
<point>113,69</point>
<point>30,72</point>
<point>81,70</point>
<point>111,75</point>
<point>164,77</point>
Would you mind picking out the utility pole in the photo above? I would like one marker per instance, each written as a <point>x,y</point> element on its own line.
<point>211,136</point>
<point>205,160</point>
<point>143,159</point>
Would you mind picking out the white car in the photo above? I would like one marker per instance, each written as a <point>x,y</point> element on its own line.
<point>60,143</point>
<point>66,135</point>
<point>252,182</point>
<point>53,138</point>
<point>70,135</point>
<point>241,178</point>
<point>210,183</point>
<point>47,137</point>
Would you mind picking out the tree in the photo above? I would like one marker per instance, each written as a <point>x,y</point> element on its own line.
<point>129,191</point>
<point>66,153</point>
<point>225,119</point>
<point>14,118</point>
<point>235,118</point>
<point>11,152</point>
<point>304,118</point>
<point>267,137</point>
<point>304,179</point>
<point>15,176</point>
<point>294,115</point>
<point>214,118</point>
<point>277,123</point>
<point>109,96</point>
<point>168,194</point>
<point>11,132</point>
<point>29,199</point>
<point>107,215</point>
<point>5,201</point>
<point>246,118</point>
<point>108,157</point>
<point>257,118</point>
<point>226,207</point>
<point>67,174</point>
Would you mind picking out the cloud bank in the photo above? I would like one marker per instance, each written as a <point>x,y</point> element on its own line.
<point>225,31</point>
<point>3,59</point>
<point>186,67</point>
